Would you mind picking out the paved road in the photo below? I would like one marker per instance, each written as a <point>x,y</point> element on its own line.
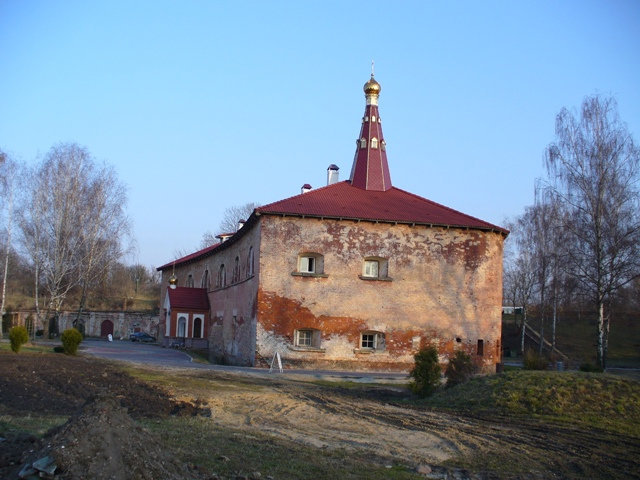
<point>135,352</point>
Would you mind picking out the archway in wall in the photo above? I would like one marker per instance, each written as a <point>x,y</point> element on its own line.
<point>106,328</point>
<point>28,323</point>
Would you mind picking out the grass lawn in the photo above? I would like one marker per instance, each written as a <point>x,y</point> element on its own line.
<point>592,400</point>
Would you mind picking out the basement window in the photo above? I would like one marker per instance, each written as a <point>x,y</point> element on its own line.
<point>372,341</point>
<point>307,338</point>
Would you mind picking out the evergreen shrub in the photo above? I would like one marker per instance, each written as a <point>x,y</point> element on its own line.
<point>532,360</point>
<point>71,339</point>
<point>18,336</point>
<point>426,372</point>
<point>459,369</point>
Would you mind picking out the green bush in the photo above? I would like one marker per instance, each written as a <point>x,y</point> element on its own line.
<point>426,372</point>
<point>590,367</point>
<point>459,369</point>
<point>18,336</point>
<point>532,360</point>
<point>71,338</point>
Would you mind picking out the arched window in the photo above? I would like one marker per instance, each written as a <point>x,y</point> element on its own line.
<point>182,327</point>
<point>383,145</point>
<point>222,277</point>
<point>374,142</point>
<point>190,281</point>
<point>205,279</point>
<point>236,270</point>
<point>197,327</point>
<point>250,262</point>
<point>363,142</point>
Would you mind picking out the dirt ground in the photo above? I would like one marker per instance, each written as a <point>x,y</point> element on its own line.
<point>100,436</point>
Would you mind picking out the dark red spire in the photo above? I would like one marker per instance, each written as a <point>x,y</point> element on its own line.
<point>370,170</point>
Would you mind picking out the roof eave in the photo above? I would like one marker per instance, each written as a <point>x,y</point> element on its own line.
<point>488,228</point>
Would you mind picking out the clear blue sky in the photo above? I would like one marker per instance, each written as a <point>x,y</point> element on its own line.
<point>201,105</point>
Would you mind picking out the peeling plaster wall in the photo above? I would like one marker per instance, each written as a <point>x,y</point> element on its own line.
<point>232,326</point>
<point>446,285</point>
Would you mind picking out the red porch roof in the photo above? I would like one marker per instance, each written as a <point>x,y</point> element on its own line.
<point>189,298</point>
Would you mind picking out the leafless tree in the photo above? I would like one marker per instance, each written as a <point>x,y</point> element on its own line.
<point>229,223</point>
<point>593,167</point>
<point>74,222</point>
<point>8,178</point>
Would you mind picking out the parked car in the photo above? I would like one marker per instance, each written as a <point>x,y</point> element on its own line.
<point>141,337</point>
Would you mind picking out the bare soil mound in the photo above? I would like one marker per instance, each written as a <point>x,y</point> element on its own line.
<point>103,442</point>
<point>61,384</point>
<point>56,384</point>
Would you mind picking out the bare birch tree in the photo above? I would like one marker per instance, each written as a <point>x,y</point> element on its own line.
<point>75,222</point>
<point>229,222</point>
<point>8,174</point>
<point>594,168</point>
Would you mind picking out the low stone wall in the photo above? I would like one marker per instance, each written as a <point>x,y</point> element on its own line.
<point>98,324</point>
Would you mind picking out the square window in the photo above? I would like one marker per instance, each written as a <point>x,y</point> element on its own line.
<point>368,340</point>
<point>371,268</point>
<point>304,338</point>
<point>307,264</point>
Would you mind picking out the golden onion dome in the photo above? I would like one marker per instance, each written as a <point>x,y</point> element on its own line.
<point>173,280</point>
<point>372,87</point>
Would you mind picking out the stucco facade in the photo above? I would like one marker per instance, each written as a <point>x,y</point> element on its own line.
<point>355,275</point>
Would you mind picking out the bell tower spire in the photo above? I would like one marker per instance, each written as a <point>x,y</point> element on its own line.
<point>370,170</point>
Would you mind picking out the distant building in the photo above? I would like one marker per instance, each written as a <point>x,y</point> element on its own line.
<point>357,274</point>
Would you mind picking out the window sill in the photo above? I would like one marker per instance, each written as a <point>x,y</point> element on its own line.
<point>306,349</point>
<point>375,279</point>
<point>366,351</point>
<point>306,274</point>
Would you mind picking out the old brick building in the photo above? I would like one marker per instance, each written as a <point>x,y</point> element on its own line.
<point>358,274</point>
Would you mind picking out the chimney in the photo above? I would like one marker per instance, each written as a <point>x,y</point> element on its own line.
<point>240,224</point>
<point>332,174</point>
<point>305,188</point>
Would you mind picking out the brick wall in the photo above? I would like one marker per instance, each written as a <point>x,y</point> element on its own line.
<point>445,288</point>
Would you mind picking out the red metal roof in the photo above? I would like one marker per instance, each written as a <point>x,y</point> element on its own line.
<point>186,258</point>
<point>189,298</point>
<point>344,201</point>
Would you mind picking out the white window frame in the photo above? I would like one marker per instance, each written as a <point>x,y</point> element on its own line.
<point>376,342</point>
<point>304,338</point>
<point>368,268</point>
<point>307,264</point>
<point>307,338</point>
<point>184,316</point>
